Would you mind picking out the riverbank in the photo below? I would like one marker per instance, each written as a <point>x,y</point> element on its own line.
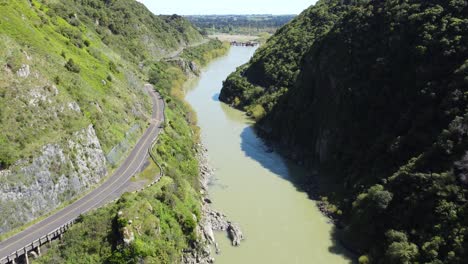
<point>212,220</point>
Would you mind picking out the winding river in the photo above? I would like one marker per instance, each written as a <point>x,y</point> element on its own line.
<point>256,187</point>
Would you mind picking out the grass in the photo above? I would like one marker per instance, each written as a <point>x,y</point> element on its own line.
<point>149,174</point>
<point>45,45</point>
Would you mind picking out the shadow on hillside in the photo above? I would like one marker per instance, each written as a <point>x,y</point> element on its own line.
<point>255,147</point>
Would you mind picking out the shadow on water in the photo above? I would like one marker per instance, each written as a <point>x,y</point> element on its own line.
<point>255,147</point>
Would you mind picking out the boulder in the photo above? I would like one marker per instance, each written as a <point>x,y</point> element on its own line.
<point>235,234</point>
<point>24,71</point>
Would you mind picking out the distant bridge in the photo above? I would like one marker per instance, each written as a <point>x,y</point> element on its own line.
<point>245,44</point>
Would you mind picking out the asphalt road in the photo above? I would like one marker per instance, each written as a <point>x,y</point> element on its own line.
<point>112,188</point>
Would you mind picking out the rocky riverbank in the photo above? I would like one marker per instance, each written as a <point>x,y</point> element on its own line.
<point>212,220</point>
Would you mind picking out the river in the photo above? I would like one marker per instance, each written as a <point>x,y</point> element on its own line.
<point>253,186</point>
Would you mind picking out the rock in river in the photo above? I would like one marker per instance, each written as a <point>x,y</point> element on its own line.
<point>235,234</point>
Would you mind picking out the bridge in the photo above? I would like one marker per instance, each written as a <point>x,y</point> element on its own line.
<point>244,44</point>
<point>29,241</point>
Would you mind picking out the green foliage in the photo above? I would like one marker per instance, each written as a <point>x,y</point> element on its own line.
<point>374,93</point>
<point>72,66</point>
<point>399,249</point>
<point>122,25</point>
<point>276,64</point>
<point>203,54</point>
<point>363,259</point>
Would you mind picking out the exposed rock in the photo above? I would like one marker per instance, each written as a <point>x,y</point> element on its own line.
<point>24,71</point>
<point>41,94</point>
<point>74,106</point>
<point>194,67</point>
<point>189,67</point>
<point>235,234</point>
<point>53,89</point>
<point>58,173</point>
<point>208,232</point>
<point>128,236</point>
<point>28,57</point>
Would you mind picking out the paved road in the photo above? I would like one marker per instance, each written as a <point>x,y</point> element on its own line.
<point>179,51</point>
<point>113,187</point>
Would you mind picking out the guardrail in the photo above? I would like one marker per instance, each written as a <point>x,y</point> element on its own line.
<point>152,156</point>
<point>36,244</point>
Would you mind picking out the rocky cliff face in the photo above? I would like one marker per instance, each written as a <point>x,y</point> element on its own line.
<point>60,172</point>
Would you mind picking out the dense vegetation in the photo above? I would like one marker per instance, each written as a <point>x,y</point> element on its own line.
<point>239,24</point>
<point>127,26</point>
<point>205,53</point>
<point>376,98</point>
<point>275,65</point>
<point>163,218</point>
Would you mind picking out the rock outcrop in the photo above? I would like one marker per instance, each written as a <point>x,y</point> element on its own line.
<point>235,234</point>
<point>60,172</point>
<point>24,71</point>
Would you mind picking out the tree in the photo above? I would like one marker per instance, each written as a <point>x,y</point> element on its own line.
<point>401,252</point>
<point>400,249</point>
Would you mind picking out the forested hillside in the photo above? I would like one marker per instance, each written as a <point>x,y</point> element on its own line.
<point>374,95</point>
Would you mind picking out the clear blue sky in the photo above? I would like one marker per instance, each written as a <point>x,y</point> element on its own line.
<point>206,7</point>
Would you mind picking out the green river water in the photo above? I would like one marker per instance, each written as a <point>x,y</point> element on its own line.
<point>254,187</point>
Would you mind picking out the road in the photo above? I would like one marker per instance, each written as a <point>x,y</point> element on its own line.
<point>179,51</point>
<point>112,188</point>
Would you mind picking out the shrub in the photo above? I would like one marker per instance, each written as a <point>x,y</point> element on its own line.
<point>72,66</point>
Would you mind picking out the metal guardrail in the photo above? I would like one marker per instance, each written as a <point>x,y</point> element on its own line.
<point>11,258</point>
<point>152,156</point>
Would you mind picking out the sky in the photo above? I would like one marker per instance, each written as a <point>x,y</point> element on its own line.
<point>220,7</point>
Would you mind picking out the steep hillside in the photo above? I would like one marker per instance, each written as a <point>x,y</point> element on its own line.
<point>379,105</point>
<point>71,95</point>
<point>256,86</point>
<point>163,223</point>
